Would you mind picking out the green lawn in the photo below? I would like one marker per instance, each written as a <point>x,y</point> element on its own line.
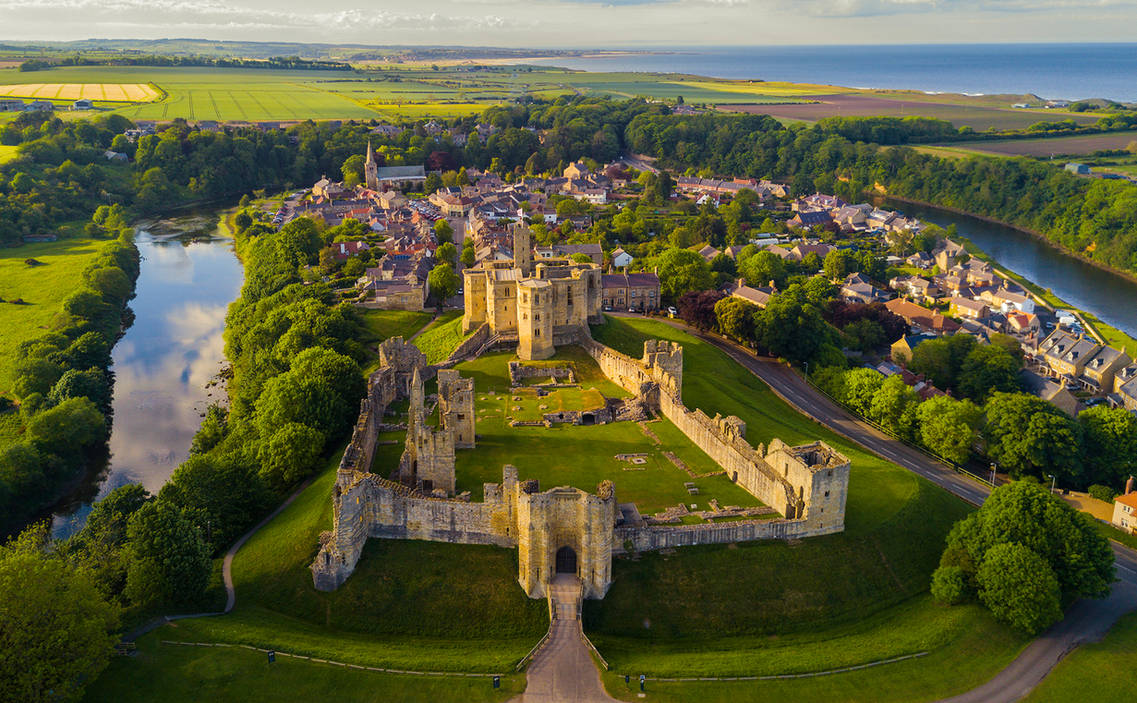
<point>42,288</point>
<point>177,673</point>
<point>413,605</point>
<point>1108,669</point>
<point>382,324</point>
<point>777,607</point>
<point>579,455</point>
<point>442,337</point>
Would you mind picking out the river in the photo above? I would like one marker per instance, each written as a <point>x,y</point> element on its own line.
<point>163,363</point>
<point>1107,295</point>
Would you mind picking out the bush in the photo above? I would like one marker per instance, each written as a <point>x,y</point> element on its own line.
<point>949,585</point>
<point>1102,492</point>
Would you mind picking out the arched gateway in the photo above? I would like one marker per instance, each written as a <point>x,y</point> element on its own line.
<point>566,561</point>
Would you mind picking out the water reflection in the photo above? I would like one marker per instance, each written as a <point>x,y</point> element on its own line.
<point>1108,296</point>
<point>163,363</point>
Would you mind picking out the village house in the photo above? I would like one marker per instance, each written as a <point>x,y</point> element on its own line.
<point>967,308</point>
<point>922,318</point>
<point>1007,301</point>
<point>1100,369</point>
<point>341,251</point>
<point>948,254</point>
<point>1052,391</point>
<point>708,252</point>
<point>630,291</point>
<point>806,219</point>
<point>1125,509</point>
<point>1022,324</point>
<point>1065,354</point>
<point>83,104</point>
<point>921,261</point>
<point>803,249</point>
<point>621,258</point>
<point>594,252</point>
<point>759,296</point>
<point>916,287</point>
<point>901,350</point>
<point>856,288</point>
<point>397,283</point>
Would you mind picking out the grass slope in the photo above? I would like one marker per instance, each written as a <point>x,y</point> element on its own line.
<point>1108,669</point>
<point>413,605</point>
<point>181,674</point>
<point>442,337</point>
<point>780,607</point>
<point>42,288</point>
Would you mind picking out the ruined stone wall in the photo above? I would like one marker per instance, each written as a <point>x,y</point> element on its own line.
<point>644,539</point>
<point>469,346</point>
<point>381,391</point>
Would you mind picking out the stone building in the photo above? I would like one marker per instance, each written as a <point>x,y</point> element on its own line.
<point>427,463</point>
<point>456,406</point>
<point>539,305</point>
<point>371,169</point>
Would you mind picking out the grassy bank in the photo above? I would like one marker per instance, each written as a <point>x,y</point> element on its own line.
<point>1103,671</point>
<point>442,337</point>
<point>810,605</point>
<point>181,674</point>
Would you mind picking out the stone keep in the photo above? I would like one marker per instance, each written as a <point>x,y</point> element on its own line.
<point>534,320</point>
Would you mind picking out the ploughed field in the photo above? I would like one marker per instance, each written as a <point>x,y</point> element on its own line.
<point>958,111</point>
<point>1057,146</point>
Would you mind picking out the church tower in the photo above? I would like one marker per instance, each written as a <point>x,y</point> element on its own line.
<point>371,168</point>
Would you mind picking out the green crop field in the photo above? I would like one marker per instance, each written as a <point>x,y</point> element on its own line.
<point>42,289</point>
<point>7,153</point>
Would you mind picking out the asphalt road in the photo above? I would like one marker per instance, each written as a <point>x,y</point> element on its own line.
<point>1085,621</point>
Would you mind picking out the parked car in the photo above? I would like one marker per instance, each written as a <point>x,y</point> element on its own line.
<point>672,312</point>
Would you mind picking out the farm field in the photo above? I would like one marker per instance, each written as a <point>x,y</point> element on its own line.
<point>7,153</point>
<point>42,288</point>
<point>863,104</point>
<point>1049,146</point>
<point>112,92</point>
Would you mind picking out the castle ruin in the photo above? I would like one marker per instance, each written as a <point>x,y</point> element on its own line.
<point>563,529</point>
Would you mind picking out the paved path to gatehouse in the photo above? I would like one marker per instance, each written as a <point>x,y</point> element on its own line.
<point>562,670</point>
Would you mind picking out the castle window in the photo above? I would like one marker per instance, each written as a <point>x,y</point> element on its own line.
<point>826,494</point>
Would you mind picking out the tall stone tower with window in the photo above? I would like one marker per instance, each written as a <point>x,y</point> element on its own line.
<point>371,168</point>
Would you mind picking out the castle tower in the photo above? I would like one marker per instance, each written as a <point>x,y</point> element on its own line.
<point>456,407</point>
<point>522,250</point>
<point>534,319</point>
<point>371,168</point>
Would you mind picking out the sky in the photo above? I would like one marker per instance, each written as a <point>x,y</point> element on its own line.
<point>578,23</point>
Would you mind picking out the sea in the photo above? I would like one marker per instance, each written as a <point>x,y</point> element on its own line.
<point>1050,71</point>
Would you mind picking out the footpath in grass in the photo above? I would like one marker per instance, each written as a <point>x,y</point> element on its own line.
<point>42,288</point>
<point>799,606</point>
<point>181,674</point>
<point>442,337</point>
<point>1105,672</point>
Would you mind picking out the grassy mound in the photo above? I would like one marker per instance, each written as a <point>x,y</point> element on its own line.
<point>442,337</point>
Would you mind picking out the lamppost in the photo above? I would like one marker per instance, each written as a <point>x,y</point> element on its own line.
<point>993,467</point>
<point>1053,481</point>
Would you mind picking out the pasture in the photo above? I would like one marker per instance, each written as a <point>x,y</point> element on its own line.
<point>956,109</point>
<point>7,153</point>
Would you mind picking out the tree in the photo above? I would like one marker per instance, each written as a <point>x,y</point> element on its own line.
<point>948,427</point>
<point>1030,437</point>
<point>1019,588</point>
<point>864,335</point>
<point>735,318</point>
<point>469,256</point>
<point>36,376</point>
<point>290,454</point>
<point>432,183</point>
<point>85,304</point>
<point>352,170</point>
<point>57,631</point>
<point>169,560</point>
<point>949,585</point>
<point>354,267</point>
<point>764,268</point>
<point>443,231</point>
<point>792,327</point>
<point>1109,445</point>
<point>838,264</point>
<point>443,282</point>
<point>447,253</point>
<point>682,270</point>
<point>220,493</point>
<point>91,384</point>
<point>697,308</point>
<point>941,359</point>
<point>894,407</point>
<point>1025,513</point>
<point>988,369</point>
<point>111,283</point>
<point>69,428</point>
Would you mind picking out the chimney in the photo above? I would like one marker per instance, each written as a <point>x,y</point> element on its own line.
<point>1129,485</point>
